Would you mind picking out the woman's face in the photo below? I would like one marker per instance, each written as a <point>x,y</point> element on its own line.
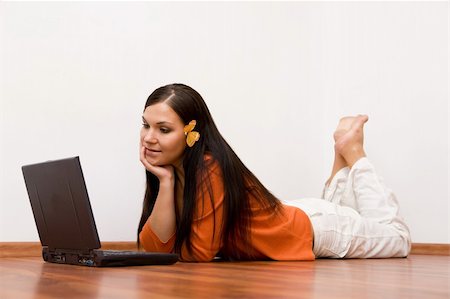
<point>162,135</point>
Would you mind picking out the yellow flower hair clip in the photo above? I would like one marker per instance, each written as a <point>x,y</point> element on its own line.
<point>191,136</point>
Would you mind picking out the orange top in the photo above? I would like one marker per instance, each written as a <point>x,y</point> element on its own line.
<point>286,236</point>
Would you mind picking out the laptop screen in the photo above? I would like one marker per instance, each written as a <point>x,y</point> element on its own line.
<point>60,204</point>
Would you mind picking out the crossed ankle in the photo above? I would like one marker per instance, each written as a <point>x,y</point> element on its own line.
<point>353,156</point>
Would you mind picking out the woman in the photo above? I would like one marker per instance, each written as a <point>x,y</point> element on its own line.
<point>201,201</point>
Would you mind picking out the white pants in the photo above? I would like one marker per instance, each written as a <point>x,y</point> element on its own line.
<point>357,217</point>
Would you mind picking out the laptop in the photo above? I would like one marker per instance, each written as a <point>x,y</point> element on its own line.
<point>65,221</point>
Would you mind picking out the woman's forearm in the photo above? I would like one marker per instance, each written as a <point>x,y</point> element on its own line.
<point>163,219</point>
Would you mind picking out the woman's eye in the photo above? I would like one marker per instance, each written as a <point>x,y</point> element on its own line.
<point>164,130</point>
<point>145,125</point>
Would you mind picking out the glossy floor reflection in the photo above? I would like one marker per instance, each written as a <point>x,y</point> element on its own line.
<point>419,276</point>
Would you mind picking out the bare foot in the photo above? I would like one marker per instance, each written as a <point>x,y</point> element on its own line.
<point>343,127</point>
<point>349,144</point>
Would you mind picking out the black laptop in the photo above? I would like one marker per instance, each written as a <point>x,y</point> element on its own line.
<point>65,222</point>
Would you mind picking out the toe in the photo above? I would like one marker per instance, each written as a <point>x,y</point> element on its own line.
<point>345,123</point>
<point>359,122</point>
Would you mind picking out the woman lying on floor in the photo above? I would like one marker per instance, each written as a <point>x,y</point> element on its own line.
<point>201,201</point>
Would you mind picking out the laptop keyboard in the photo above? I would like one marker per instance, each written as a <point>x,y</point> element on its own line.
<point>119,252</point>
<point>126,253</point>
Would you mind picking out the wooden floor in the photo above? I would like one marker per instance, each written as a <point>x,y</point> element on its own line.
<point>418,276</point>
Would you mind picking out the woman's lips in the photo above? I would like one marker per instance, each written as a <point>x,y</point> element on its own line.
<point>151,152</point>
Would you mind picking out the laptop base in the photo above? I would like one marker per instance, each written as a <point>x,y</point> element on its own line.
<point>107,258</point>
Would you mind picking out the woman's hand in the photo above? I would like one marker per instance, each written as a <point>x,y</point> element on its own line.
<point>164,173</point>
<point>162,218</point>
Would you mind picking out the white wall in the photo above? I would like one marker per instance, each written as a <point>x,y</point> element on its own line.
<point>276,76</point>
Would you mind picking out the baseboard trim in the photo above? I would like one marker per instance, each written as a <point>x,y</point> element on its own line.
<point>430,249</point>
<point>26,249</point>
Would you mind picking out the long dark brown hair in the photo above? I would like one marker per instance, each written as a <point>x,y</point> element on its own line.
<point>238,181</point>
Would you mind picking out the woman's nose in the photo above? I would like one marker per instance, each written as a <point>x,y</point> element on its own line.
<point>150,137</point>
